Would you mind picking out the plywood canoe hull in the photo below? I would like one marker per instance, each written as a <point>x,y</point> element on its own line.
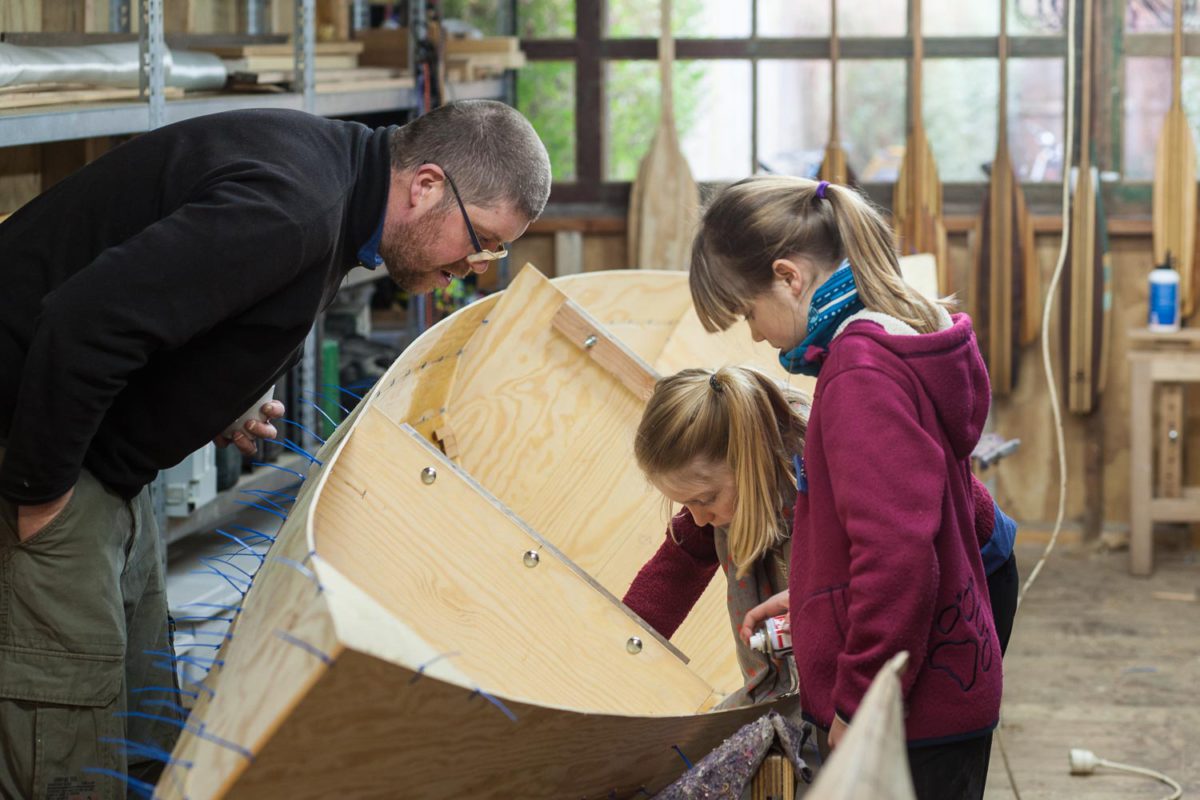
<point>396,642</point>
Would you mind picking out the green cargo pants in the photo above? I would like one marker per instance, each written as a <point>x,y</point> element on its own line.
<point>83,607</point>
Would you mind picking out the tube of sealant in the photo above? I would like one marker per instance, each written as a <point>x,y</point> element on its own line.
<point>775,637</point>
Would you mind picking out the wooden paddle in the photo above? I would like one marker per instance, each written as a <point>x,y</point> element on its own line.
<point>1002,255</point>
<point>1085,314</point>
<point>917,199</point>
<point>1174,204</point>
<point>833,166</point>
<point>664,202</point>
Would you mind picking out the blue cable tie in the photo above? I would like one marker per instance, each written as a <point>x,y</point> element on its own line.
<point>305,646</point>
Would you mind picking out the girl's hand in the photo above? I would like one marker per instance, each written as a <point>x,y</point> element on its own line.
<point>836,731</point>
<point>773,607</point>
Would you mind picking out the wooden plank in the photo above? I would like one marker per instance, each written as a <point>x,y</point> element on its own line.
<point>323,76</point>
<point>664,200</point>
<point>618,360</point>
<point>278,50</point>
<point>400,732</point>
<point>428,573</point>
<point>1170,440</point>
<point>273,63</point>
<point>457,45</point>
<point>29,99</point>
<point>641,308</point>
<point>1183,339</point>
<point>1141,469</point>
<point>1174,195</point>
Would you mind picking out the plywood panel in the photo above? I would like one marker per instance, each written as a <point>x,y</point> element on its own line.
<point>416,738</point>
<point>551,434</point>
<point>455,571</point>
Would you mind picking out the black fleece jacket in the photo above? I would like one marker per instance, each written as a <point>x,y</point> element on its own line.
<point>150,298</point>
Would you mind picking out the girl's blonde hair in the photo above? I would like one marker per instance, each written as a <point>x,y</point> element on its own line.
<point>735,416</point>
<point>754,222</point>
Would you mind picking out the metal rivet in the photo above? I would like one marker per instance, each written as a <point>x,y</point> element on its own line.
<point>633,646</point>
<point>1172,434</point>
<point>590,341</point>
<point>531,558</point>
<point>428,475</point>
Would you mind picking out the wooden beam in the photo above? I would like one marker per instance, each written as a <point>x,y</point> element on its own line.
<point>590,336</point>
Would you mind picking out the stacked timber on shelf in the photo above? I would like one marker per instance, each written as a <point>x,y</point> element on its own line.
<point>53,94</point>
<point>465,58</point>
<point>267,57</point>
<point>449,573</point>
<point>476,59</point>
<point>269,67</point>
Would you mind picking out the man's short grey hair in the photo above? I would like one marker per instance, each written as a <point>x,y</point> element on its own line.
<point>490,150</point>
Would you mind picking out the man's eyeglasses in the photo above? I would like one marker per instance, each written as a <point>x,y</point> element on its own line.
<point>480,255</point>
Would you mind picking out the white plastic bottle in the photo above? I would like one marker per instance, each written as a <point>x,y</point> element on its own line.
<point>1164,298</point>
<point>775,637</point>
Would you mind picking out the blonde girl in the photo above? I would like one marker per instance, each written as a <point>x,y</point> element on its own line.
<point>884,554</point>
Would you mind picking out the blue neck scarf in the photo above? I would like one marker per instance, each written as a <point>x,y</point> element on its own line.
<point>836,299</point>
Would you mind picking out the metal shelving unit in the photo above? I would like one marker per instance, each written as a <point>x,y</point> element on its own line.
<point>79,121</point>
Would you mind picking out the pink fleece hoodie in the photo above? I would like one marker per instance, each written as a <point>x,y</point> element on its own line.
<point>884,549</point>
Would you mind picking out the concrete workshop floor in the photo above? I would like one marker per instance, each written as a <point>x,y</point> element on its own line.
<point>1097,661</point>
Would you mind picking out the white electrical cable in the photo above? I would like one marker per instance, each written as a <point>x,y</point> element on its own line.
<point>1084,762</point>
<point>1051,292</point>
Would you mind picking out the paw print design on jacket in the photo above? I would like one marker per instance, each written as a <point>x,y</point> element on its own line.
<point>965,627</point>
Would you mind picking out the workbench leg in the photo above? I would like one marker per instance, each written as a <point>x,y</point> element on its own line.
<point>1141,433</point>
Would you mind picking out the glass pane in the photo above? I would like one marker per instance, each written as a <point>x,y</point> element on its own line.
<point>959,108</point>
<point>712,113</point>
<point>1157,16</point>
<point>956,18</point>
<point>706,19</point>
<point>871,109</point>
<point>481,14</point>
<point>710,97</point>
<point>546,95</point>
<point>876,18</point>
<point>1036,17</point>
<point>546,19</point>
<point>1147,100</point>
<point>793,116</point>
<point>1035,117</point>
<point>632,91</point>
<point>779,19</point>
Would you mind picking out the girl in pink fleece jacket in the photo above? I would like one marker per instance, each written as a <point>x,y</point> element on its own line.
<point>884,554</point>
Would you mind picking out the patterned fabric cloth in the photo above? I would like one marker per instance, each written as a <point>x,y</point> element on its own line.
<point>834,301</point>
<point>727,771</point>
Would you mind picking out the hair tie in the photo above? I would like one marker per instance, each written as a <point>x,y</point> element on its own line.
<point>715,384</point>
<point>821,189</point>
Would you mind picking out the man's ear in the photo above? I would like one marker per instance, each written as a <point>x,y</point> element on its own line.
<point>427,185</point>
